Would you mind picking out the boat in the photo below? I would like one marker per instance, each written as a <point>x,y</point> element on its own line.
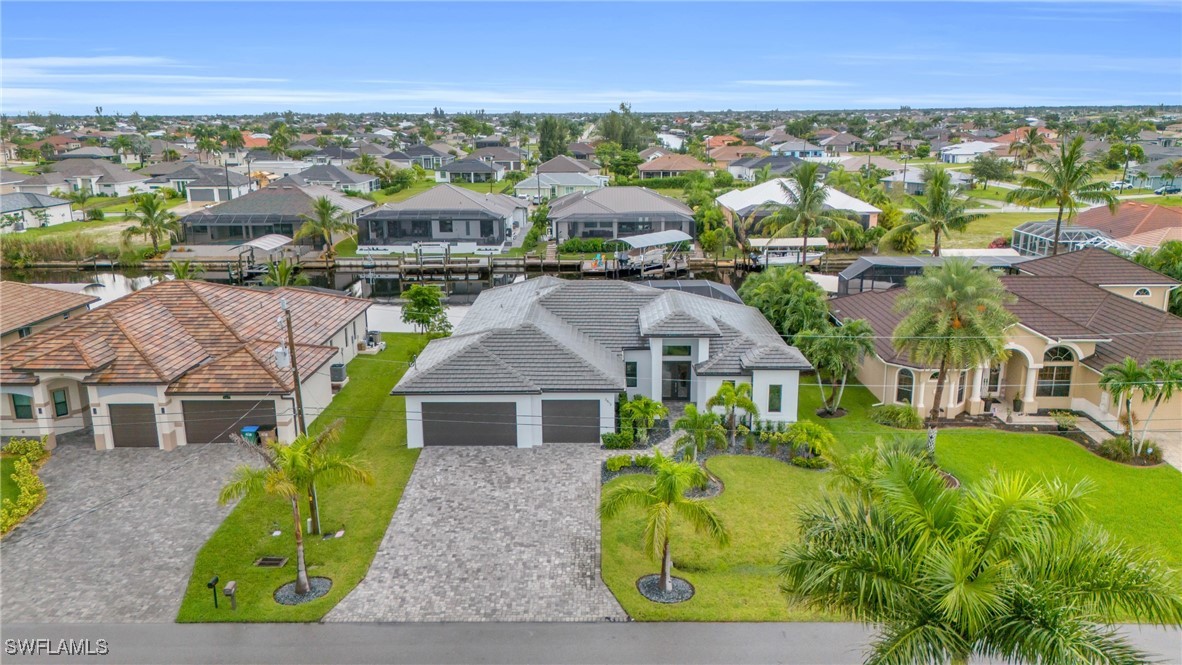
<point>786,251</point>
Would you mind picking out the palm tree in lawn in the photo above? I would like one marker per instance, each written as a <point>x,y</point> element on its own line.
<point>806,215</point>
<point>386,174</point>
<point>663,500</point>
<point>941,213</point>
<point>1029,147</point>
<point>1165,378</point>
<point>366,163</point>
<point>642,412</point>
<point>699,429</point>
<point>284,273</point>
<point>1123,380</point>
<point>836,351</point>
<point>731,397</point>
<point>1007,569</point>
<point>955,319</point>
<point>326,219</point>
<point>153,220</point>
<point>185,270</point>
<point>1170,170</point>
<point>1066,180</point>
<point>290,471</point>
<point>170,155</point>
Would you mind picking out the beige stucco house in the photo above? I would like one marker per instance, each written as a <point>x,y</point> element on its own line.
<point>1077,313</point>
<point>28,308</point>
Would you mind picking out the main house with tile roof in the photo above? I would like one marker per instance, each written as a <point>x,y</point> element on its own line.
<point>618,212</point>
<point>544,361</point>
<point>445,214</point>
<point>28,308</point>
<point>1077,313</point>
<point>281,207</point>
<point>178,363</point>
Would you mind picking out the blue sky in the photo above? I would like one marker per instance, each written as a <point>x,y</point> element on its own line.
<point>226,57</point>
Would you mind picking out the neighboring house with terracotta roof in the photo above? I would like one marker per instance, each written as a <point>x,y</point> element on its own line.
<point>20,211</point>
<point>671,166</point>
<point>720,141</point>
<point>724,155</point>
<point>1133,227</point>
<point>618,212</point>
<point>178,363</point>
<point>27,308</point>
<point>580,150</point>
<point>1077,313</point>
<point>843,142</point>
<point>545,360</point>
<point>565,164</point>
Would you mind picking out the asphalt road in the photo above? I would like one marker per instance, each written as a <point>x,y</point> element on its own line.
<point>509,643</point>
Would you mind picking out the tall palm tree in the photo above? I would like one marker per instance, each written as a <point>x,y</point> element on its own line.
<point>955,319</point>
<point>289,472</point>
<point>281,139</point>
<point>233,139</point>
<point>170,155</point>
<point>699,429</point>
<point>663,501</point>
<point>731,397</point>
<point>208,146</point>
<point>941,213</point>
<point>836,351</point>
<point>122,144</point>
<point>807,215</point>
<point>763,174</point>
<point>642,412</point>
<point>787,298</point>
<point>1065,181</point>
<point>152,219</point>
<point>1032,145</point>
<point>366,163</point>
<point>386,174</point>
<point>284,273</point>
<point>1165,381</point>
<point>326,219</point>
<point>1123,380</point>
<point>185,270</point>
<point>1007,569</point>
<point>1170,170</point>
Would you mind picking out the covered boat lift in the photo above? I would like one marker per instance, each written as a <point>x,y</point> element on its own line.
<point>653,251</point>
<point>786,251</point>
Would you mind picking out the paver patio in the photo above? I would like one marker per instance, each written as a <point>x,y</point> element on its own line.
<point>491,534</point>
<point>116,538</point>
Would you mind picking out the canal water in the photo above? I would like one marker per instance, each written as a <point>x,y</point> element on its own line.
<point>385,315</point>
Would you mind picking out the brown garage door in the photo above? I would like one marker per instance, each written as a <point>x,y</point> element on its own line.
<point>134,425</point>
<point>215,421</point>
<point>570,421</point>
<point>469,424</point>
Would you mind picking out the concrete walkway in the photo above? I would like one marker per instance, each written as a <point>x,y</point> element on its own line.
<point>491,534</point>
<point>116,538</point>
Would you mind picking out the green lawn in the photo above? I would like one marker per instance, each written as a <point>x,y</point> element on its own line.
<point>68,229</point>
<point>759,506</point>
<point>8,489</point>
<point>1174,200</point>
<point>375,429</point>
<point>992,193</point>
<point>981,232</point>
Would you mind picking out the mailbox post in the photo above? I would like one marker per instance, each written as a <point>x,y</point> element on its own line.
<point>213,584</point>
<point>231,591</point>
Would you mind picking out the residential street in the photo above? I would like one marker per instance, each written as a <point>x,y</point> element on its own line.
<point>509,643</point>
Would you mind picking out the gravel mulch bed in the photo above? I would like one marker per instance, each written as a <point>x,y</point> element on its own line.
<point>713,488</point>
<point>286,594</point>
<point>649,586</point>
<point>760,450</point>
<point>605,475</point>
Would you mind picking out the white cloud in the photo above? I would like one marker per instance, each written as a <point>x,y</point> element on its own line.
<point>70,62</point>
<point>794,83</point>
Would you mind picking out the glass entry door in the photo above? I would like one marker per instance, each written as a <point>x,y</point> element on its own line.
<point>675,383</point>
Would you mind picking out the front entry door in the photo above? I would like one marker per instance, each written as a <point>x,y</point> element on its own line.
<point>675,384</point>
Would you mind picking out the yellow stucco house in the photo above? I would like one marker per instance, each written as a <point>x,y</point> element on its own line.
<point>1077,313</point>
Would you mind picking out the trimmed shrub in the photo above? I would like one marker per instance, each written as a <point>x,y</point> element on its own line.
<point>810,462</point>
<point>644,461</point>
<point>30,449</point>
<point>617,462</point>
<point>617,441</point>
<point>1116,449</point>
<point>809,437</point>
<point>589,246</point>
<point>32,493</point>
<point>896,415</point>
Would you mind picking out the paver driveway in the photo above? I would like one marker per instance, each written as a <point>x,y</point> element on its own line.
<point>117,535</point>
<point>491,534</point>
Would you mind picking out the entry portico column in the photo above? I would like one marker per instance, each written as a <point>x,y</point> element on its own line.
<point>1028,393</point>
<point>976,404</point>
<point>43,413</point>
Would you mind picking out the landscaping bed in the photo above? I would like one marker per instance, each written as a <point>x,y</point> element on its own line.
<point>375,429</point>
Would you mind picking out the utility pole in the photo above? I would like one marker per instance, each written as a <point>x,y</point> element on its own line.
<point>301,426</point>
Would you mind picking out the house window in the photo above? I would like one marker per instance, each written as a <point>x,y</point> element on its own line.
<point>775,395</point>
<point>25,332</point>
<point>960,387</point>
<point>1054,378</point>
<point>630,373</point>
<point>678,350</point>
<point>445,226</point>
<point>61,406</point>
<point>22,407</point>
<point>904,386</point>
<point>1141,293</point>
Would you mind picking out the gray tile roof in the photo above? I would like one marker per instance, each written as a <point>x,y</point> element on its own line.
<point>28,201</point>
<point>330,173</point>
<point>616,202</point>
<point>452,199</point>
<point>468,165</point>
<point>552,335</point>
<point>87,167</point>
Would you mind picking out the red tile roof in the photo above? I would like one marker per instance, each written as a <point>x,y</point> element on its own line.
<point>197,337</point>
<point>674,163</point>
<point>25,304</point>
<point>1136,223</point>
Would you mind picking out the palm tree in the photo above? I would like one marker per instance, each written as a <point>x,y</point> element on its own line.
<point>366,163</point>
<point>663,500</point>
<point>1009,569</point>
<point>1170,170</point>
<point>699,429</point>
<point>170,155</point>
<point>386,174</point>
<point>326,219</point>
<point>787,298</point>
<point>807,215</point>
<point>207,146</point>
<point>78,197</point>
<point>1165,378</point>
<point>233,139</point>
<point>731,397</point>
<point>152,219</point>
<point>122,144</point>
<point>642,412</point>
<point>955,319</point>
<point>763,174</point>
<point>836,351</point>
<point>185,270</point>
<point>1032,145</point>
<point>290,472</point>
<point>941,213</point>
<point>284,273</point>
<point>281,140</point>
<point>1123,380</point>
<point>1065,181</point>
